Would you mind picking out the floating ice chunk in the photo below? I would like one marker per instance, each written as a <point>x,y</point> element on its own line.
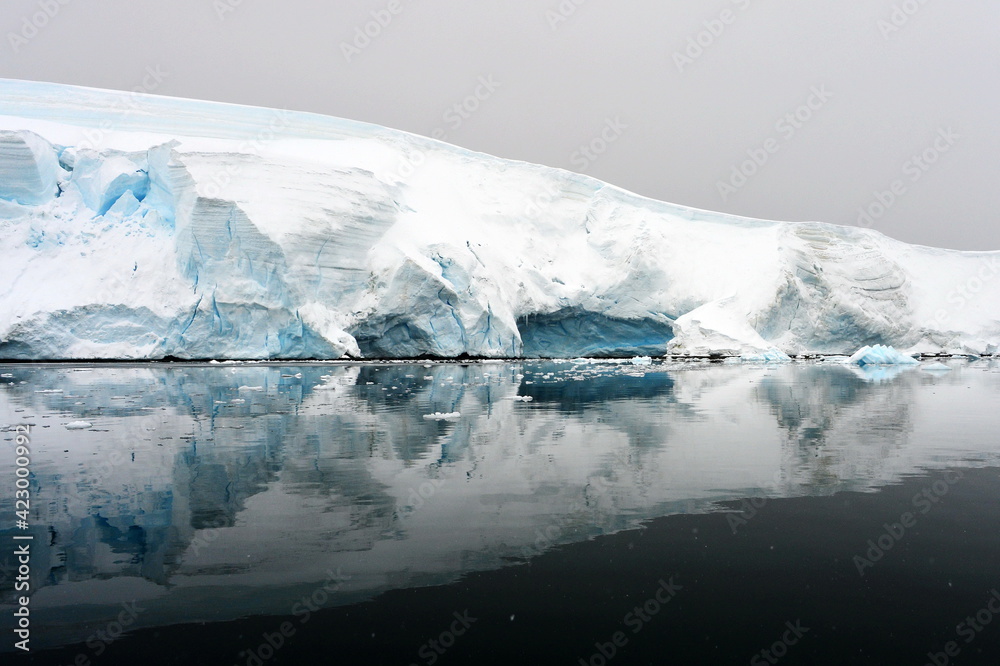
<point>935,367</point>
<point>881,355</point>
<point>772,355</point>
<point>642,360</point>
<point>523,398</point>
<point>251,388</point>
<point>79,425</point>
<point>441,416</point>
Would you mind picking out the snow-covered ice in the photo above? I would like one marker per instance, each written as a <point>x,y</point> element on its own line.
<point>772,355</point>
<point>881,355</point>
<point>144,227</point>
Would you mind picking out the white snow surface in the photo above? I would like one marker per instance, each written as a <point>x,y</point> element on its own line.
<point>136,226</point>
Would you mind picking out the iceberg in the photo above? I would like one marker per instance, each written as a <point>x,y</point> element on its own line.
<point>772,355</point>
<point>144,227</point>
<point>881,355</point>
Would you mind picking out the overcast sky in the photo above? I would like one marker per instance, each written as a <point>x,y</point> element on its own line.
<point>894,104</point>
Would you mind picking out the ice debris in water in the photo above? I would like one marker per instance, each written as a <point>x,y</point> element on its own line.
<point>79,425</point>
<point>441,416</point>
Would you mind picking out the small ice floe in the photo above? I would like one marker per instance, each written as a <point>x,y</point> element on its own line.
<point>79,425</point>
<point>441,416</point>
<point>49,391</point>
<point>523,398</point>
<point>935,367</point>
<point>772,355</point>
<point>641,360</point>
<point>881,355</point>
<point>250,388</point>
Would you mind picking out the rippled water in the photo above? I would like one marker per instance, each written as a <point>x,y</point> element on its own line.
<point>210,493</point>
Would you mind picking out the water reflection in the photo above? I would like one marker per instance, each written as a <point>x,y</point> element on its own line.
<point>213,492</point>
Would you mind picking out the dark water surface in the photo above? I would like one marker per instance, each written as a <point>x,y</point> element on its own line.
<point>561,512</point>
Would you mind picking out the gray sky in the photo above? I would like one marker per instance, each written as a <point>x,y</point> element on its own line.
<point>670,96</point>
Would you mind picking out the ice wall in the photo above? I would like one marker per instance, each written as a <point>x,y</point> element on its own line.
<point>145,227</point>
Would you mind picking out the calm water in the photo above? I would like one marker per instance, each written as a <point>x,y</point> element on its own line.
<point>505,513</point>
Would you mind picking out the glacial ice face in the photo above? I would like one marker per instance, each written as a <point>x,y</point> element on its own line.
<point>104,179</point>
<point>28,168</point>
<point>145,227</point>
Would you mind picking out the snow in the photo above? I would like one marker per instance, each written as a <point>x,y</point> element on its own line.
<point>141,227</point>
<point>881,355</point>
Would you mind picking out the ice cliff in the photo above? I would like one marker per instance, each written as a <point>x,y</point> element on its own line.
<point>143,227</point>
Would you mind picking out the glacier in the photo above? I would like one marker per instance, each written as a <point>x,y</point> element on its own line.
<point>142,227</point>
